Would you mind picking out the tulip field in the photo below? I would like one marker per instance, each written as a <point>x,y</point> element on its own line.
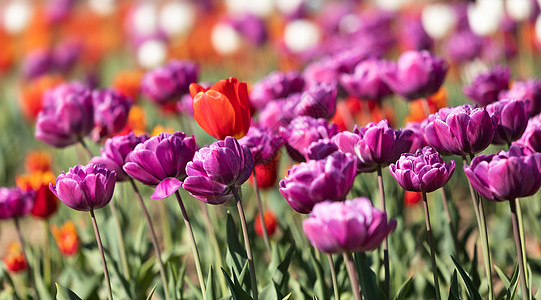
<point>270,149</point>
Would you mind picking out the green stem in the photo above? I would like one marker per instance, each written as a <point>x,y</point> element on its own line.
<point>522,238</point>
<point>120,237</point>
<point>481,223</point>
<point>333,277</point>
<point>85,146</point>
<point>211,235</point>
<point>46,254</point>
<point>194,245</point>
<point>23,246</point>
<point>165,224</point>
<point>355,288</point>
<point>454,234</point>
<point>102,254</point>
<point>247,245</point>
<point>432,249</point>
<point>153,238</point>
<point>261,214</point>
<point>520,253</point>
<point>385,244</point>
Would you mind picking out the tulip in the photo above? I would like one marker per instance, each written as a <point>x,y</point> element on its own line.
<point>417,74</point>
<point>318,180</point>
<point>464,46</point>
<point>222,110</point>
<point>45,203</point>
<point>276,85</point>
<point>115,152</point>
<point>66,238</point>
<point>411,198</point>
<point>37,63</point>
<point>66,54</point>
<point>486,87</point>
<point>67,116</point>
<point>513,119</point>
<point>461,130</point>
<point>352,225</point>
<point>170,82</point>
<point>31,99</point>
<point>425,171</point>
<point>128,83</point>
<point>15,202</point>
<point>532,135</point>
<point>366,81</point>
<point>266,174</point>
<point>161,161</point>
<point>263,144</point>
<point>530,90</point>
<point>270,223</point>
<point>376,145</point>
<point>15,259</point>
<point>37,161</point>
<point>218,168</point>
<point>277,113</point>
<point>304,130</point>
<point>318,101</point>
<point>111,111</point>
<point>85,188</point>
<point>418,140</point>
<point>320,149</point>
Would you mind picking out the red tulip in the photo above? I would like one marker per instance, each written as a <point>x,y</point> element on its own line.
<point>14,258</point>
<point>270,223</point>
<point>222,110</point>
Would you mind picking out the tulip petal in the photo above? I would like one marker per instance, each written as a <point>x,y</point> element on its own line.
<point>166,188</point>
<point>214,113</point>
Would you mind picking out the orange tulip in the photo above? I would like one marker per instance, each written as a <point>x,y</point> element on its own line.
<point>222,110</point>
<point>37,161</point>
<point>45,202</point>
<point>66,238</point>
<point>14,258</point>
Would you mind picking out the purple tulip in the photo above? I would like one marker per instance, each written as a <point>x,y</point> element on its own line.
<point>414,36</point>
<point>115,151</point>
<point>417,74</point>
<point>57,11</point>
<point>329,68</point>
<point>66,55</point>
<point>304,130</point>
<point>251,27</point>
<point>418,140</point>
<point>15,203</point>
<point>320,149</point>
<point>513,119</point>
<point>352,225</point>
<point>464,46</point>
<point>376,145</point>
<point>486,87</point>
<point>111,111</point>
<point>278,113</point>
<point>185,105</point>
<point>63,90</point>
<point>170,82</point>
<point>37,63</point>
<point>461,130</point>
<point>263,144</point>
<point>531,138</point>
<point>425,171</point>
<point>217,169</point>
<point>85,188</point>
<point>319,101</point>
<point>67,117</point>
<point>507,175</point>
<point>318,180</point>
<point>366,82</point>
<point>276,85</point>
<point>530,90</point>
<point>161,161</point>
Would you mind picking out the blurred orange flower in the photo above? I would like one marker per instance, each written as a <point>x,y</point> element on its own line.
<point>32,93</point>
<point>137,121</point>
<point>37,161</point>
<point>128,83</point>
<point>67,238</point>
<point>45,203</point>
<point>159,129</point>
<point>417,108</point>
<point>14,259</point>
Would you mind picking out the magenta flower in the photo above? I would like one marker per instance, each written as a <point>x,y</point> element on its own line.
<point>115,151</point>
<point>366,81</point>
<point>530,90</point>
<point>161,161</point>
<point>111,111</point>
<point>318,180</point>
<point>531,138</point>
<point>218,168</point>
<point>507,175</point>
<point>263,144</point>
<point>318,101</point>
<point>461,130</point>
<point>320,149</point>
<point>85,188</point>
<point>417,74</point>
<point>37,63</point>
<point>68,116</point>
<point>513,119</point>
<point>486,87</point>
<point>303,131</point>
<point>352,225</point>
<point>170,82</point>
<point>15,203</point>
<point>425,171</point>
<point>418,136</point>
<point>376,145</point>
<point>274,86</point>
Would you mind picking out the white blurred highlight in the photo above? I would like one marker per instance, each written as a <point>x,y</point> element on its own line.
<point>519,10</point>
<point>177,17</point>
<point>438,20</point>
<point>301,35</point>
<point>145,19</point>
<point>485,16</point>
<point>17,14</point>
<point>225,39</point>
<point>151,54</point>
<point>103,7</point>
<point>260,8</point>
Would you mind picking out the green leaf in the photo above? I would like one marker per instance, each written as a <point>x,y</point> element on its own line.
<point>369,283</point>
<point>63,293</point>
<point>454,293</point>
<point>270,292</point>
<point>470,286</point>
<point>287,296</point>
<point>513,285</point>
<point>151,292</point>
<point>211,288</point>
<point>236,254</point>
<point>404,289</point>
<point>237,293</point>
<point>320,288</point>
<point>281,275</point>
